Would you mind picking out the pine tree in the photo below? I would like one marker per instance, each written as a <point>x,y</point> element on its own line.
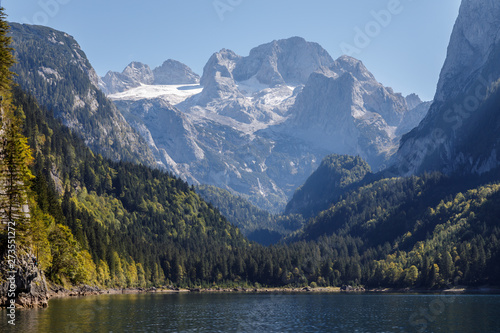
<point>6,58</point>
<point>15,174</point>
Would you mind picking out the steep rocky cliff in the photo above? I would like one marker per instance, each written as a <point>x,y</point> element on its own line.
<point>30,286</point>
<point>460,132</point>
<point>52,66</point>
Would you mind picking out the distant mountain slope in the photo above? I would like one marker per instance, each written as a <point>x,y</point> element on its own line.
<point>52,66</point>
<point>460,134</point>
<point>257,225</point>
<point>261,124</point>
<point>344,110</point>
<point>118,224</point>
<point>141,227</point>
<point>334,177</point>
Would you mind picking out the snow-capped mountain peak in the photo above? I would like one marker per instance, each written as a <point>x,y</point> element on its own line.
<point>171,72</point>
<point>258,125</point>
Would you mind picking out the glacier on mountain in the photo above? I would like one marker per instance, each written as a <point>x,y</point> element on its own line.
<point>258,125</point>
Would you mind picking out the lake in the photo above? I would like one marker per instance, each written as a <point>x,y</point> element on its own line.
<point>235,312</point>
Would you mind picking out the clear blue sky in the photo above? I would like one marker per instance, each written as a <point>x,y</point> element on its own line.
<point>406,49</point>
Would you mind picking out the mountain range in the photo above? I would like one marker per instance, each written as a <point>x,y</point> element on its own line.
<point>171,72</point>
<point>259,125</point>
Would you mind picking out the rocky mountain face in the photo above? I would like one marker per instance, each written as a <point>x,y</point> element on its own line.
<point>168,132</point>
<point>257,126</point>
<point>288,61</point>
<point>260,125</point>
<point>344,110</point>
<point>411,119</point>
<point>171,72</point>
<point>132,76</point>
<point>460,132</point>
<point>174,72</point>
<point>29,280</point>
<point>52,66</point>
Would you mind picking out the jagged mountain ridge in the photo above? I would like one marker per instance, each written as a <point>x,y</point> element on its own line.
<point>346,111</point>
<point>261,124</point>
<point>171,72</point>
<point>460,132</point>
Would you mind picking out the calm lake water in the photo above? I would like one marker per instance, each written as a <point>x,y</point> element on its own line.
<point>263,313</point>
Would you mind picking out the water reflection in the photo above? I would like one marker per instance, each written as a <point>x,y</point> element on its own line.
<point>261,313</point>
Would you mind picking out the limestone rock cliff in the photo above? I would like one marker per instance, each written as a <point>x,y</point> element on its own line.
<point>30,285</point>
<point>460,132</point>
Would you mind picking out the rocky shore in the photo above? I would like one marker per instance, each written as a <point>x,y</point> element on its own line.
<point>26,284</point>
<point>36,298</point>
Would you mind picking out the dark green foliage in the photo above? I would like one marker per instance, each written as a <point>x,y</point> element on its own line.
<point>6,59</point>
<point>418,224</point>
<point>145,227</point>
<point>130,218</point>
<point>257,225</point>
<point>335,176</point>
<point>383,204</point>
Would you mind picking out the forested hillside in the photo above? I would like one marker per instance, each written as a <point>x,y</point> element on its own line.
<point>336,175</point>
<point>256,224</point>
<point>429,230</point>
<point>119,224</point>
<point>137,224</point>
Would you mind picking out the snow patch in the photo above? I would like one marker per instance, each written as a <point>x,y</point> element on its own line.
<point>261,190</point>
<point>174,94</point>
<point>250,86</point>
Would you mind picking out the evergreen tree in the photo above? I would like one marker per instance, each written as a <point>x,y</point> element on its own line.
<point>6,58</point>
<point>15,174</point>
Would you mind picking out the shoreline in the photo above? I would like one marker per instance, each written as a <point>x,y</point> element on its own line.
<point>56,291</point>
<point>82,291</point>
